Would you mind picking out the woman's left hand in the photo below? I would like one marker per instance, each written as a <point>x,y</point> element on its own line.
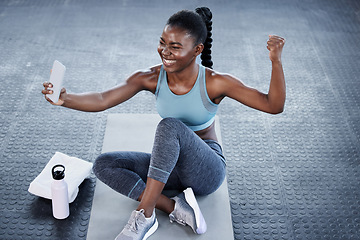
<point>275,45</point>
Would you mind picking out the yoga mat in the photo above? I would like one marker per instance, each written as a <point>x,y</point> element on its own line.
<point>111,211</point>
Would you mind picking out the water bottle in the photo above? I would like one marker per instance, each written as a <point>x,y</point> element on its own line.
<point>59,193</point>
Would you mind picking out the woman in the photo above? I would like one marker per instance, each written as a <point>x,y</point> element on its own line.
<point>185,155</point>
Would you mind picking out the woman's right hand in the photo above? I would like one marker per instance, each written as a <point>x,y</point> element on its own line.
<point>46,90</point>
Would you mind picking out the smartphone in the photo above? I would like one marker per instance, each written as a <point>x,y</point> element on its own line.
<point>56,79</point>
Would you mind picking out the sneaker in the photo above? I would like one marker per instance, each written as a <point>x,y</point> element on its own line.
<point>138,227</point>
<point>187,212</point>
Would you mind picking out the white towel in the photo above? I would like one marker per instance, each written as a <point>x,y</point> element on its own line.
<point>76,170</point>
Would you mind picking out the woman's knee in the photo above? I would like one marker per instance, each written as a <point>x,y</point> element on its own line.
<point>170,124</point>
<point>169,121</point>
<point>100,163</point>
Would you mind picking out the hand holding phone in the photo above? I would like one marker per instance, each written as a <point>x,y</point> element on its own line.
<point>56,79</point>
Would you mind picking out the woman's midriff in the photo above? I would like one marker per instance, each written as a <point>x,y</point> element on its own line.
<point>208,133</point>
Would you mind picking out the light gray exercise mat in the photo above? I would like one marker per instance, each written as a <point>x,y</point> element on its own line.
<point>111,211</point>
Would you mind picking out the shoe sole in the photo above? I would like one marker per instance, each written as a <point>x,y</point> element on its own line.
<point>153,228</point>
<point>200,221</point>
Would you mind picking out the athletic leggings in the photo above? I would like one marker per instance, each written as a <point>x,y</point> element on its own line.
<point>179,158</point>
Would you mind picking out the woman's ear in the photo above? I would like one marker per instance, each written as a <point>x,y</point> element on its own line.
<point>199,48</point>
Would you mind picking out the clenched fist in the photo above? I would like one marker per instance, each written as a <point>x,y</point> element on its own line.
<point>275,45</point>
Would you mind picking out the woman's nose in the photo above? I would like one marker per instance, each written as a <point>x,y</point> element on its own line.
<point>166,51</point>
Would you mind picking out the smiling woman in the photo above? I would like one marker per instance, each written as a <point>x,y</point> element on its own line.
<point>196,32</point>
<point>176,49</point>
<point>186,155</point>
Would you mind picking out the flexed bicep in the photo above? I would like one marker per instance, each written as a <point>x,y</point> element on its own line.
<point>246,95</point>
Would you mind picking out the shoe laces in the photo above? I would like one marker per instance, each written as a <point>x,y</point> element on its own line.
<point>180,215</point>
<point>180,218</point>
<point>135,223</point>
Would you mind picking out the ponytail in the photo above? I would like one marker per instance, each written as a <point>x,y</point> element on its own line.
<point>206,15</point>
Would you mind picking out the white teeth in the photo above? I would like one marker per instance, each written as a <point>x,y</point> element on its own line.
<point>168,61</point>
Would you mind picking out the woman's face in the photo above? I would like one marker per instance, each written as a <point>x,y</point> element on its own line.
<point>176,49</point>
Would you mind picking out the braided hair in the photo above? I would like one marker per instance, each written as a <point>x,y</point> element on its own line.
<point>199,25</point>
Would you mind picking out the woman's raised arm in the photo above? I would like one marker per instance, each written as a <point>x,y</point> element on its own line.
<point>272,102</point>
<point>100,101</point>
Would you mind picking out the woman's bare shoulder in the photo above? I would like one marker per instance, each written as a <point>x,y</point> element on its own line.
<point>146,77</point>
<point>218,84</point>
<point>213,75</point>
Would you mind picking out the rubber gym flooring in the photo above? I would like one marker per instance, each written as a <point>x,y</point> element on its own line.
<point>295,175</point>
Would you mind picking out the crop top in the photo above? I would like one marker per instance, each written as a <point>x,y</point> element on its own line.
<point>194,109</point>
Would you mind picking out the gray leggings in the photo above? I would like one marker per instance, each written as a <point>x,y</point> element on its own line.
<point>179,158</point>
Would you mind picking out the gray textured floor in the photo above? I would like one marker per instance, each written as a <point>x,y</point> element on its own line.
<point>290,176</point>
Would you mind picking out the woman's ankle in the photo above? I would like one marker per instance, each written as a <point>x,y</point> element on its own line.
<point>148,212</point>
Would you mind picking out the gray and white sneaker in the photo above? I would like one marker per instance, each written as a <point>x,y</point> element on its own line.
<point>138,227</point>
<point>187,212</point>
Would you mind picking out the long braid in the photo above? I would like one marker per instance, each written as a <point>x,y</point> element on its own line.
<point>206,15</point>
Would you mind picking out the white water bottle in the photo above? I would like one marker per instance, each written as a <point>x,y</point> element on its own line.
<point>59,193</point>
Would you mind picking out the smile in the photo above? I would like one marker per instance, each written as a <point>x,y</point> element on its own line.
<point>168,62</point>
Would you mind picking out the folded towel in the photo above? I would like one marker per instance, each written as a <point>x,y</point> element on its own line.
<point>76,170</point>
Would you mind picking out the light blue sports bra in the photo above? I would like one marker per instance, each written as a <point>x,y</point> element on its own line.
<point>194,108</point>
